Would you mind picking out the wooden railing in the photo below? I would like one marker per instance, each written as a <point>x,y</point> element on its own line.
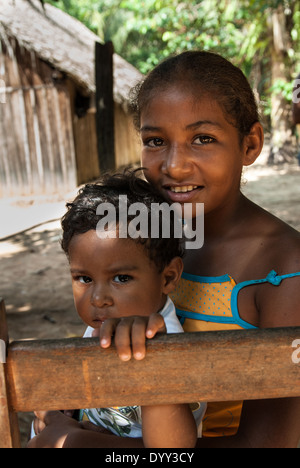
<point>211,366</point>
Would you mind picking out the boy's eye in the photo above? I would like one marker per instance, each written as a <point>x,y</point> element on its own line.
<point>203,140</point>
<point>84,279</point>
<point>122,279</point>
<point>154,142</point>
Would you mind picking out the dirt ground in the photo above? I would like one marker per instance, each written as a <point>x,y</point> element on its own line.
<point>35,281</point>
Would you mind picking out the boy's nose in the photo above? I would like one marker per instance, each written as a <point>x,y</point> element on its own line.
<point>100,297</point>
<point>177,163</point>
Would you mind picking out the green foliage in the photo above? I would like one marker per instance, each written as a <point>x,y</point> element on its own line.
<point>283,88</point>
<point>147,31</point>
<point>86,11</point>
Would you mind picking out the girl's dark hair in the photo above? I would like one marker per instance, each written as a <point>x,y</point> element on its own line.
<point>202,73</point>
<point>81,216</point>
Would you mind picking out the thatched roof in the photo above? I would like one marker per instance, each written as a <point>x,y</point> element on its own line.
<point>62,41</point>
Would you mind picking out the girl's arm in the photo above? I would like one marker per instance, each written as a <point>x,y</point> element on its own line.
<point>168,426</point>
<point>264,424</point>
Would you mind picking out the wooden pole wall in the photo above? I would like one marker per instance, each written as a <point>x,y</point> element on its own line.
<point>105,106</point>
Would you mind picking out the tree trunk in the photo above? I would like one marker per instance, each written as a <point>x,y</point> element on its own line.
<point>281,127</point>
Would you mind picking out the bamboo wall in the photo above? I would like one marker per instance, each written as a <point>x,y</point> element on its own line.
<point>45,148</point>
<point>127,140</point>
<point>127,143</point>
<point>37,153</point>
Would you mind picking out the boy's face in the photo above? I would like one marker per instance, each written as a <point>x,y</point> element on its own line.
<point>113,278</point>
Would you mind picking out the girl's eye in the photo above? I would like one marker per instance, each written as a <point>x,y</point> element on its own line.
<point>84,279</point>
<point>203,140</point>
<point>121,279</point>
<point>154,142</point>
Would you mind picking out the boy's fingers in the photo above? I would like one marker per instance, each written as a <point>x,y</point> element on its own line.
<point>38,426</point>
<point>47,416</point>
<point>130,334</point>
<point>107,330</point>
<point>138,338</point>
<point>41,415</point>
<point>123,339</point>
<point>156,324</point>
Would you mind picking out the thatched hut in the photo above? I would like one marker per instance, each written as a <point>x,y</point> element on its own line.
<point>47,112</point>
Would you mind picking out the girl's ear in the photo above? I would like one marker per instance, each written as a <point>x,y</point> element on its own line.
<point>172,274</point>
<point>253,144</point>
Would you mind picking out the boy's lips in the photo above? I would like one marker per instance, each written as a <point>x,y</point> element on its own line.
<point>99,320</point>
<point>182,193</point>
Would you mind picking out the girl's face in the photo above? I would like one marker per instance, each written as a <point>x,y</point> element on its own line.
<point>191,152</point>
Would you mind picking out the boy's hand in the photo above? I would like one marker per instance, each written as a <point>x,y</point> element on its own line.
<point>130,334</point>
<point>58,431</point>
<point>54,428</point>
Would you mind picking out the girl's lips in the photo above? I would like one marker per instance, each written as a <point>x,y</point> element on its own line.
<point>182,194</point>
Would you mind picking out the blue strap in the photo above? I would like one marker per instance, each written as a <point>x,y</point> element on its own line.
<point>272,278</point>
<point>275,279</point>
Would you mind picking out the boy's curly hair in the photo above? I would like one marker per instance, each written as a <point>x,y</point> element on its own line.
<point>81,216</point>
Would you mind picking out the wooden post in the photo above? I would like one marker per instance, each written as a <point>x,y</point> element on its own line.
<point>9,427</point>
<point>105,106</point>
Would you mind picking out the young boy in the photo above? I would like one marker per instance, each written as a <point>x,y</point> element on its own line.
<point>117,278</point>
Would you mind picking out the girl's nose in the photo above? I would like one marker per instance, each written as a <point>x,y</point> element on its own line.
<point>177,164</point>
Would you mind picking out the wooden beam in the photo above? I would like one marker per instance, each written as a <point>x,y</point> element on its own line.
<point>212,366</point>
<point>9,428</point>
<point>105,106</point>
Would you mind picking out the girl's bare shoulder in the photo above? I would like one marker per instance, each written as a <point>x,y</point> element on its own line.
<point>280,251</point>
<point>271,243</point>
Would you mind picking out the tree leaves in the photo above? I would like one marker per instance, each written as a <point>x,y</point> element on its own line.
<point>147,31</point>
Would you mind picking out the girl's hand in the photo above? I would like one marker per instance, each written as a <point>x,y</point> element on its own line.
<point>130,334</point>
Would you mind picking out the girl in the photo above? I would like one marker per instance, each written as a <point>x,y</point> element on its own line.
<point>199,126</point>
